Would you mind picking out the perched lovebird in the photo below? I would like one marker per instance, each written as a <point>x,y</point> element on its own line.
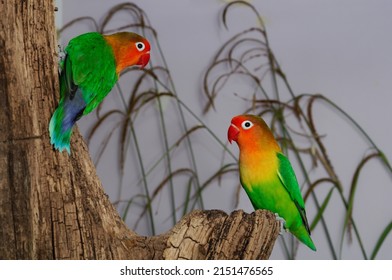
<point>90,69</point>
<point>267,175</point>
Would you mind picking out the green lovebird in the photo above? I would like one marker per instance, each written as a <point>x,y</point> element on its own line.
<point>267,175</point>
<point>90,69</point>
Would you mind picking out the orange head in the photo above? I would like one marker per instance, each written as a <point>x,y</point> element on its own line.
<point>129,49</point>
<point>250,131</point>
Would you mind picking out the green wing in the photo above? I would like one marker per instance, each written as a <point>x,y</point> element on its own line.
<point>289,180</point>
<point>93,67</point>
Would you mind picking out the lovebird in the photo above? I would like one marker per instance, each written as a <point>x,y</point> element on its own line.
<point>267,176</point>
<point>90,69</point>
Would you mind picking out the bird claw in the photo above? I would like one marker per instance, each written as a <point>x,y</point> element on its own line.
<point>282,224</point>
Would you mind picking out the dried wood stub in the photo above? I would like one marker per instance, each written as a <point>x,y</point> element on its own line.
<point>215,235</point>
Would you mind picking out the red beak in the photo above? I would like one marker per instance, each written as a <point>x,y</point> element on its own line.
<point>143,60</point>
<point>232,133</point>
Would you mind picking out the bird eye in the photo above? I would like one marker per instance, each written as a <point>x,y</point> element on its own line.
<point>246,124</point>
<point>140,46</point>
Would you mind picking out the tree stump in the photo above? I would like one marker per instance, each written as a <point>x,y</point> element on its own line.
<point>215,235</point>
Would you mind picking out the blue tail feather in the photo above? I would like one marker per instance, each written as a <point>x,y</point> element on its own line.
<point>63,120</point>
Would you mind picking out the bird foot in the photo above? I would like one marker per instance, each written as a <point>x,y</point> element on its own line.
<point>282,224</point>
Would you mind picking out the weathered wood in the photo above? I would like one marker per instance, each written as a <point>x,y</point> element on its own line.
<point>52,205</point>
<point>215,235</point>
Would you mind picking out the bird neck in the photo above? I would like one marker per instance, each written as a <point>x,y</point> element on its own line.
<point>120,51</point>
<point>258,160</point>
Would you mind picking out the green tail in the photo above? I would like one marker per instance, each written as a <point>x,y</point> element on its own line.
<point>60,135</point>
<point>302,234</point>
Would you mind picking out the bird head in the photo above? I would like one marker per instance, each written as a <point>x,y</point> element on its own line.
<point>251,131</point>
<point>240,125</point>
<point>143,52</point>
<point>129,49</point>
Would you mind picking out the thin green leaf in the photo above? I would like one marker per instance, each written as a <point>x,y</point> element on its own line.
<point>321,210</point>
<point>381,240</point>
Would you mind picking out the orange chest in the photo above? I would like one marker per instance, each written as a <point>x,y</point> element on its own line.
<point>258,167</point>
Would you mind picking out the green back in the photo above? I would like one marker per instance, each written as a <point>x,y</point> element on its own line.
<point>91,66</point>
<point>289,181</point>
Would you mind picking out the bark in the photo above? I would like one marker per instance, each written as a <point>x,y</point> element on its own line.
<point>52,206</point>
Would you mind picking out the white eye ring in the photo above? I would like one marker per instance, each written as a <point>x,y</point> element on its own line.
<point>140,46</point>
<point>246,124</point>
